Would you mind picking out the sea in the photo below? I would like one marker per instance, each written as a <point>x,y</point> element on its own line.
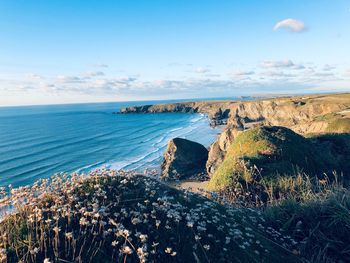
<point>40,141</point>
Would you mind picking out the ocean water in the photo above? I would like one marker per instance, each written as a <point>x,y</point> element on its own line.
<point>39,141</point>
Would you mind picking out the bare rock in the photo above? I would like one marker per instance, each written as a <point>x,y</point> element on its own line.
<point>218,149</point>
<point>183,159</point>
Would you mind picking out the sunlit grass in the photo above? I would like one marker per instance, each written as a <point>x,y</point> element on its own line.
<point>113,216</point>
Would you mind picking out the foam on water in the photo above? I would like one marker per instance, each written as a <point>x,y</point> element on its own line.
<point>38,141</point>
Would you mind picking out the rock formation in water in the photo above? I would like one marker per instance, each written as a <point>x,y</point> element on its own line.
<point>183,159</point>
<point>303,114</point>
<point>218,111</point>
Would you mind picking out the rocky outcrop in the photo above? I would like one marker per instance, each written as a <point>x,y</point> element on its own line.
<point>302,114</point>
<point>271,152</point>
<point>217,111</point>
<point>183,159</point>
<point>218,149</point>
<point>292,112</point>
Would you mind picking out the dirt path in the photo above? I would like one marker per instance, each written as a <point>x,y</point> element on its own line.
<point>191,185</point>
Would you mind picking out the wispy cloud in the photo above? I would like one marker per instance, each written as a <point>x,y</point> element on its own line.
<point>279,76</point>
<point>281,64</point>
<point>91,74</point>
<point>201,70</point>
<point>243,73</point>
<point>277,64</point>
<point>32,76</point>
<point>292,25</point>
<point>101,65</point>
<point>69,79</point>
<point>328,67</point>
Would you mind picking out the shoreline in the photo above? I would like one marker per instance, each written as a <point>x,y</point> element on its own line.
<point>146,157</point>
<point>117,212</point>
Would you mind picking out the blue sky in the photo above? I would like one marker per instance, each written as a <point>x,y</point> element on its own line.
<point>62,51</point>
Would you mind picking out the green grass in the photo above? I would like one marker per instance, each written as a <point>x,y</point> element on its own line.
<point>265,152</point>
<point>314,213</point>
<point>320,224</point>
<point>326,117</point>
<point>102,218</point>
<point>271,154</point>
<point>339,125</point>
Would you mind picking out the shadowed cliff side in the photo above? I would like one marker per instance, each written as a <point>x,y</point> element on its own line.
<point>183,159</point>
<point>309,114</point>
<point>269,153</point>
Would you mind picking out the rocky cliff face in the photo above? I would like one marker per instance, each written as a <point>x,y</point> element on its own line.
<point>183,159</point>
<point>218,111</point>
<point>218,149</point>
<point>302,114</point>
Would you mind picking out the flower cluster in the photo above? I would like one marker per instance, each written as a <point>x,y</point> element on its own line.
<point>109,216</point>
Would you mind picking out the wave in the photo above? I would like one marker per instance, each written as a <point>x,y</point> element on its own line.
<point>31,173</point>
<point>153,157</point>
<point>200,118</point>
<point>90,167</point>
<point>141,158</point>
<point>49,149</point>
<point>82,144</point>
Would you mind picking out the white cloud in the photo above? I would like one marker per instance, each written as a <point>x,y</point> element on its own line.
<point>328,67</point>
<point>277,64</point>
<point>291,25</point>
<point>278,74</point>
<point>126,79</point>
<point>202,70</point>
<point>91,74</point>
<point>243,73</point>
<point>69,79</point>
<point>299,66</point>
<point>347,73</point>
<point>32,76</point>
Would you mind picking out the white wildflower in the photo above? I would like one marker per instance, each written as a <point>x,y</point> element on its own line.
<point>126,250</point>
<point>168,250</point>
<point>114,243</point>
<point>206,247</point>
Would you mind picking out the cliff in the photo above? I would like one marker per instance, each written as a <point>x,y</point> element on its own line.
<point>310,114</point>
<point>293,112</point>
<point>217,111</point>
<point>183,159</point>
<point>272,153</point>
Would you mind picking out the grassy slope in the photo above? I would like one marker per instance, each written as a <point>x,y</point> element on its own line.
<point>320,224</point>
<point>272,153</point>
<point>272,150</point>
<point>180,227</point>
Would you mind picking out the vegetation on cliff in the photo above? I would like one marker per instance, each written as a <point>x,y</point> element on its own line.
<point>320,222</point>
<point>339,125</point>
<point>112,216</point>
<point>266,162</point>
<point>275,195</point>
<point>265,153</point>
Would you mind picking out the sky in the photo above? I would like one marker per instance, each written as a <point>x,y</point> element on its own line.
<point>67,51</point>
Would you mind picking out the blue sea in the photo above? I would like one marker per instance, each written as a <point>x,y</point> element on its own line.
<point>39,141</point>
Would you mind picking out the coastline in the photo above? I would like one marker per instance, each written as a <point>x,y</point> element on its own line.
<point>125,209</point>
<point>84,137</point>
<point>305,115</point>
